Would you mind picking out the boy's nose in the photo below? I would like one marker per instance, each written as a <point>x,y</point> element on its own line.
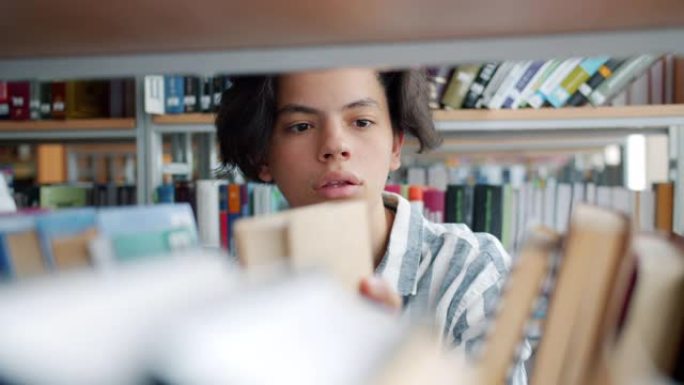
<point>334,145</point>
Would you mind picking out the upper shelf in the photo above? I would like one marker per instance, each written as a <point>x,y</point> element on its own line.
<point>58,41</point>
<point>42,28</point>
<point>651,116</point>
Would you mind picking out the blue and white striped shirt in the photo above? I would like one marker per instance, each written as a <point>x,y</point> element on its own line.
<point>448,270</point>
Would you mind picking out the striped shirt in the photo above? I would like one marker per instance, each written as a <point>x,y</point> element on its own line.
<point>450,271</point>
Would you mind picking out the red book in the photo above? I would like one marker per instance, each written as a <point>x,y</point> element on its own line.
<point>4,101</point>
<point>19,96</point>
<point>58,100</point>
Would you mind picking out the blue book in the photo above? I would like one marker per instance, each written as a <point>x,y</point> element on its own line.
<point>60,225</point>
<point>174,94</point>
<point>137,231</point>
<point>166,193</point>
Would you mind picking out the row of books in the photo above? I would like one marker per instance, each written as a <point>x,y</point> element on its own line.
<point>577,81</point>
<point>178,94</point>
<point>507,211</point>
<point>35,242</point>
<point>73,99</point>
<point>60,196</point>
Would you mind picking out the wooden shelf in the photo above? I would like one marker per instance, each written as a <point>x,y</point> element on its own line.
<point>44,29</point>
<point>68,125</point>
<point>524,119</point>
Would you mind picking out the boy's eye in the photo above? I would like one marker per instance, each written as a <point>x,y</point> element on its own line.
<point>363,123</point>
<point>299,127</point>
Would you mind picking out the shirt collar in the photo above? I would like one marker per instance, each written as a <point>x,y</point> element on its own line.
<point>399,265</point>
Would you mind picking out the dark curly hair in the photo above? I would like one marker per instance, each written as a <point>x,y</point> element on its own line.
<point>247,113</point>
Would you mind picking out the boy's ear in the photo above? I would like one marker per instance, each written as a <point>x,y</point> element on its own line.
<point>265,173</point>
<point>397,143</point>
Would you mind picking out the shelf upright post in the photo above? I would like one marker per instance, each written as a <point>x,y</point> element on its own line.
<point>207,158</point>
<point>677,135</point>
<point>141,143</point>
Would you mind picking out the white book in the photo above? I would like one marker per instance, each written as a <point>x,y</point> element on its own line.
<point>207,203</point>
<point>508,84</point>
<point>563,207</point>
<point>646,213</point>
<point>535,82</point>
<point>549,211</point>
<point>154,94</point>
<point>495,83</point>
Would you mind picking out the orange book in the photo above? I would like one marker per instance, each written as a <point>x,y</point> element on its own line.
<point>51,160</point>
<point>664,193</point>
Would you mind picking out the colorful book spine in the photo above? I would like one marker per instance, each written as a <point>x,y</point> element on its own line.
<point>234,212</point>
<point>191,94</point>
<point>58,99</point>
<point>173,94</point>
<point>513,97</point>
<point>478,86</point>
<point>627,72</point>
<point>45,100</point>
<point>206,94</point>
<point>507,85</point>
<point>223,215</point>
<point>574,80</point>
<point>554,80</point>
<point>581,96</point>
<point>34,99</point>
<point>539,78</point>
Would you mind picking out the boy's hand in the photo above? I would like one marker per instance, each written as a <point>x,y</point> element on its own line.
<point>377,290</point>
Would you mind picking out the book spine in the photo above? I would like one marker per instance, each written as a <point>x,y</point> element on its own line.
<point>19,95</point>
<point>4,101</point>
<point>493,86</point>
<point>34,95</point>
<point>577,77</point>
<point>627,72</point>
<point>507,85</point>
<point>223,215</point>
<point>484,76</point>
<point>58,97</point>
<point>191,92</point>
<point>459,84</point>
<point>116,98</point>
<point>581,96</point>
<point>206,94</point>
<point>555,79</point>
<point>539,79</point>
<point>513,97</point>
<point>173,94</point>
<point>45,100</point>
<point>438,78</point>
<point>130,97</point>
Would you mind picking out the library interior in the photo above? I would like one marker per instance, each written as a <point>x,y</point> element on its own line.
<point>373,192</point>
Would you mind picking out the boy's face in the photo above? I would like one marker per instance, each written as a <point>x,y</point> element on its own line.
<point>332,137</point>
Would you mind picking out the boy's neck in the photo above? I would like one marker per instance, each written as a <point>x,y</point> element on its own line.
<point>381,219</point>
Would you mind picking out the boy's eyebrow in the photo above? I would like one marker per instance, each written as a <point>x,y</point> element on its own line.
<point>294,108</point>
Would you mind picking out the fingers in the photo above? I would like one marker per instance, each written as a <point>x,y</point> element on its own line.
<point>377,290</point>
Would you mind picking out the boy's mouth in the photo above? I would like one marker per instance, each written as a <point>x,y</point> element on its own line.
<point>336,185</point>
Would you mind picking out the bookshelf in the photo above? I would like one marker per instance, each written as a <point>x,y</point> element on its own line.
<point>281,39</point>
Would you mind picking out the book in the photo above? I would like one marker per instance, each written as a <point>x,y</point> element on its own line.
<point>155,102</point>
<point>508,85</point>
<point>519,295</point>
<point>206,94</point>
<point>499,75</point>
<point>174,94</point>
<point>34,99</point>
<point>20,254</point>
<point>515,94</point>
<point>191,98</point>
<point>116,98</point>
<point>541,95</point>
<point>581,96</point>
<point>477,87</point>
<point>87,99</point>
<point>50,163</point>
<point>65,236</point>
<point>664,201</point>
<point>45,100</point>
<point>286,237</point>
<point>594,249</point>
<point>58,100</point>
<point>539,78</point>
<point>578,76</point>
<point>459,204</point>
<point>461,79</point>
<point>4,101</point>
<point>438,78</point>
<point>487,209</point>
<point>220,84</point>
<point>628,71</point>
<point>208,212</point>
<point>20,97</point>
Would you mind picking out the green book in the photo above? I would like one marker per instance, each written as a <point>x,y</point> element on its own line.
<point>62,196</point>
